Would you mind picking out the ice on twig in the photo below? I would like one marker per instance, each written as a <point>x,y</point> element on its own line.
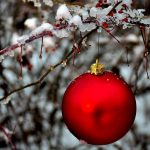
<point>76,20</point>
<point>21,40</point>
<point>43,27</point>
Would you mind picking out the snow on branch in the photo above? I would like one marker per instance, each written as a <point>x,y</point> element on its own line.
<point>104,14</point>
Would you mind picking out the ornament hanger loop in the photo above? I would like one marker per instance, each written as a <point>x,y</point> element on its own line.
<point>97,68</point>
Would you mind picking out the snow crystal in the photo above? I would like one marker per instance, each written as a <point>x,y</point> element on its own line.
<point>43,27</point>
<point>119,16</point>
<point>135,13</point>
<point>107,10</point>
<point>31,23</point>
<point>48,42</point>
<point>76,20</point>
<point>146,21</point>
<point>10,53</point>
<point>131,38</point>
<point>127,2</point>
<point>125,26</point>
<point>61,33</point>
<point>99,13</point>
<point>94,12</point>
<point>112,2</point>
<point>46,26</point>
<point>99,30</point>
<point>48,2</point>
<point>1,58</point>
<point>84,14</point>
<point>63,13</point>
<point>83,27</point>
<point>87,27</point>
<point>21,40</point>
<point>138,50</point>
<point>14,38</point>
<point>91,26</point>
<point>36,3</point>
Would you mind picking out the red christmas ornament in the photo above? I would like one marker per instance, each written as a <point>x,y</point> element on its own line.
<point>98,107</point>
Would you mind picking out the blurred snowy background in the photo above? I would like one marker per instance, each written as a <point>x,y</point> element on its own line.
<point>36,111</point>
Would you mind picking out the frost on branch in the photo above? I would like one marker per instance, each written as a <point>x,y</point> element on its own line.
<point>63,13</point>
<point>105,14</point>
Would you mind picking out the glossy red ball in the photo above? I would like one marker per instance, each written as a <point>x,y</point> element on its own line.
<point>99,109</point>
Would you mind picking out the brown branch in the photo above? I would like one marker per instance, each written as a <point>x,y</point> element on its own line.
<point>79,44</point>
<point>32,38</point>
<point>143,33</point>
<point>114,7</point>
<point>33,83</point>
<point>50,69</point>
<point>8,137</point>
<point>49,33</point>
<point>76,3</point>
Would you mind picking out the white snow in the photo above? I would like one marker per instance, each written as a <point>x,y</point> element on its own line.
<point>48,42</point>
<point>63,13</point>
<point>146,20</point>
<point>76,20</point>
<point>43,27</point>
<point>94,12</point>
<point>31,23</point>
<point>84,13</point>
<point>21,40</point>
<point>48,2</point>
<point>61,33</point>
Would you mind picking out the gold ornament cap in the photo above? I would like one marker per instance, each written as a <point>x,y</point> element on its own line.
<point>97,68</point>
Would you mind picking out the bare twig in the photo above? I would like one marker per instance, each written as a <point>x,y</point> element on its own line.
<point>143,33</point>
<point>32,38</point>
<point>114,7</point>
<point>8,137</point>
<point>48,33</point>
<point>50,69</point>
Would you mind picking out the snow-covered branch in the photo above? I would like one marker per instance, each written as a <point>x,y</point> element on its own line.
<point>105,14</point>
